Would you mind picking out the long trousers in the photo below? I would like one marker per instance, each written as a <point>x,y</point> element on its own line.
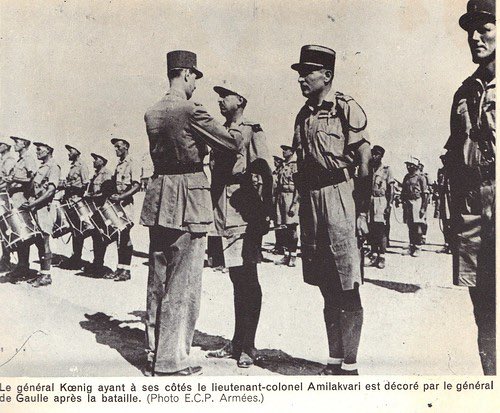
<point>173,295</point>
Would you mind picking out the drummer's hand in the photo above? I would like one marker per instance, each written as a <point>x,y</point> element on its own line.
<point>115,198</point>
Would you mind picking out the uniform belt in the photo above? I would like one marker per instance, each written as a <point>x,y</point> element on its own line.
<point>328,178</point>
<point>178,169</point>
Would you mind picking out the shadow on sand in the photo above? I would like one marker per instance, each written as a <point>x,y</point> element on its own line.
<point>395,286</point>
<point>129,342</point>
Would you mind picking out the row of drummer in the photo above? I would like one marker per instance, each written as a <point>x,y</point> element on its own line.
<point>32,210</point>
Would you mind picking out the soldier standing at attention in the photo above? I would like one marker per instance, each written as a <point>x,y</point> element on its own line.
<point>127,180</point>
<point>278,232</point>
<point>76,184</point>
<point>470,165</point>
<point>42,192</point>
<point>97,193</point>
<point>19,183</point>
<point>178,211</point>
<point>380,206</point>
<point>414,198</point>
<point>242,218</point>
<point>287,207</point>
<point>330,138</point>
<point>7,162</point>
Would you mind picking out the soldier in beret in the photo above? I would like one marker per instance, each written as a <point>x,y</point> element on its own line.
<point>97,192</point>
<point>241,219</point>
<point>7,162</point>
<point>42,192</point>
<point>19,182</point>
<point>470,166</point>
<point>330,141</point>
<point>287,207</point>
<point>178,211</point>
<point>75,185</point>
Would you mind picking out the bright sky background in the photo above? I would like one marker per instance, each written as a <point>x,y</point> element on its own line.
<point>84,71</point>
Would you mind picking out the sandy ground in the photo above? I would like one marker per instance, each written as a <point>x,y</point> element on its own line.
<point>416,321</point>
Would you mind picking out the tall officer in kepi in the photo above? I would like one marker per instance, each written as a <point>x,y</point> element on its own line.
<point>241,219</point>
<point>97,192</point>
<point>42,192</point>
<point>75,185</point>
<point>287,207</point>
<point>330,139</point>
<point>178,211</point>
<point>7,162</point>
<point>19,183</point>
<point>470,165</point>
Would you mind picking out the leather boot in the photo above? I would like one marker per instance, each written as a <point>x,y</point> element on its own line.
<point>351,323</point>
<point>334,332</point>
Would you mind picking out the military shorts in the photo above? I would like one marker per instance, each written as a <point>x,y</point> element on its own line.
<point>328,229</point>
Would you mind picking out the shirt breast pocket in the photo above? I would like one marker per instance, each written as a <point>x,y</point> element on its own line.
<point>198,208</point>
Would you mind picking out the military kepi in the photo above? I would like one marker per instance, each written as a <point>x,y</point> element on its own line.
<point>183,59</point>
<point>477,9</point>
<point>287,148</point>
<point>17,138</point>
<point>315,57</point>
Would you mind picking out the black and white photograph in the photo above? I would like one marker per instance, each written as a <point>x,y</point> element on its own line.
<point>248,190</point>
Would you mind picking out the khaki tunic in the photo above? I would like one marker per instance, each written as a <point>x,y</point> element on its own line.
<point>381,180</point>
<point>179,131</point>
<point>237,203</point>
<point>327,135</point>
<point>98,180</point>
<point>48,174</point>
<point>414,187</point>
<point>285,192</point>
<point>126,173</point>
<point>470,166</point>
<point>78,178</point>
<point>25,167</point>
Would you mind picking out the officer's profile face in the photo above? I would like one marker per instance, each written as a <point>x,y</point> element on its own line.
<point>190,79</point>
<point>313,81</point>
<point>229,104</point>
<point>98,162</point>
<point>72,154</point>
<point>482,40</point>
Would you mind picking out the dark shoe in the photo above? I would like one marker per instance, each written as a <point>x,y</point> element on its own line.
<point>331,370</point>
<point>349,372</point>
<point>188,371</point>
<point>381,263</point>
<point>225,352</point>
<point>372,261</point>
<point>72,263</point>
<point>291,261</point>
<point>245,361</point>
<point>283,261</point>
<point>415,252</point>
<point>123,276</point>
<point>113,275</point>
<point>42,281</point>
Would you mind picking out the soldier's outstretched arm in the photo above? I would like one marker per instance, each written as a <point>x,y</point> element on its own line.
<point>213,133</point>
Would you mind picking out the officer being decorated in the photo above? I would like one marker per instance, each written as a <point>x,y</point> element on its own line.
<point>333,181</point>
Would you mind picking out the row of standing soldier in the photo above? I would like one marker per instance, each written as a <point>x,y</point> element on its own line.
<point>34,188</point>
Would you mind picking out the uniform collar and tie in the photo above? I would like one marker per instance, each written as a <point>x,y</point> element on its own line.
<point>76,162</point>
